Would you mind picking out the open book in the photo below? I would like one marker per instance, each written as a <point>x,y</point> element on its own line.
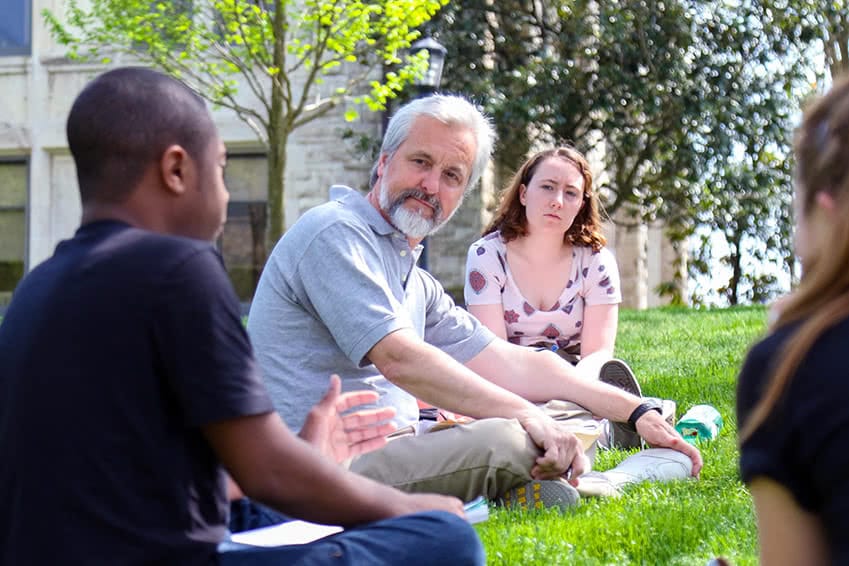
<point>301,532</point>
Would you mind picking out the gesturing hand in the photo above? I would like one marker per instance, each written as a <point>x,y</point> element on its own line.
<point>344,436</point>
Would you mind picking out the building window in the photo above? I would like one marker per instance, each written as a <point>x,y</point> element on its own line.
<point>13,224</point>
<point>242,243</point>
<point>15,27</point>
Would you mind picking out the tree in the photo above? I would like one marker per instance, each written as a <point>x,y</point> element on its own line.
<point>749,206</point>
<point>279,50</point>
<point>804,29</point>
<point>800,37</point>
<point>658,84</point>
<point>672,91</point>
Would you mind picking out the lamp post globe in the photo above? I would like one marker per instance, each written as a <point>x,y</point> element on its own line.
<point>429,82</point>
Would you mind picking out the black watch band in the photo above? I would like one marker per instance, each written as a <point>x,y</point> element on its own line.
<point>641,410</point>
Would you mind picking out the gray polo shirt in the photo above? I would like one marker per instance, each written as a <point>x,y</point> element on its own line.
<point>338,281</point>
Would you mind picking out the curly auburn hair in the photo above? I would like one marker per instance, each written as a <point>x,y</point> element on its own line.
<point>510,216</point>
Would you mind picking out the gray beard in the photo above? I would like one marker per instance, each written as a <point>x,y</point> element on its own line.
<point>408,222</point>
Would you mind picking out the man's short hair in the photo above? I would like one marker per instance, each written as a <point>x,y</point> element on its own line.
<point>448,109</point>
<point>123,121</point>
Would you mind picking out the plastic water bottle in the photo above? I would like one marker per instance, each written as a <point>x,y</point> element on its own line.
<point>700,423</point>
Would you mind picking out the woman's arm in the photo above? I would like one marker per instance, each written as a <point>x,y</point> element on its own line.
<point>484,282</point>
<point>598,332</point>
<point>491,316</point>
<point>602,294</point>
<point>787,533</point>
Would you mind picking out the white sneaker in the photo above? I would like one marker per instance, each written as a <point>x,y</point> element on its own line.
<point>654,464</point>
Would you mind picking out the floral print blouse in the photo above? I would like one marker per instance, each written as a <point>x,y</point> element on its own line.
<point>594,280</point>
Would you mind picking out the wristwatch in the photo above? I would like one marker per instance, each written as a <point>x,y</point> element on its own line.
<point>643,408</point>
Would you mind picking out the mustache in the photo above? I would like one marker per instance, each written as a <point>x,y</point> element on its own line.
<point>431,200</point>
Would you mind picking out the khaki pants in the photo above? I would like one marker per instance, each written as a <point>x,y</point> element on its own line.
<point>486,457</point>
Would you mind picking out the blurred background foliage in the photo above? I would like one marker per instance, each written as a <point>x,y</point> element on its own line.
<point>690,105</point>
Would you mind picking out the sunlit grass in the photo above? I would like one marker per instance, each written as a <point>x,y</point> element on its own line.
<point>691,357</point>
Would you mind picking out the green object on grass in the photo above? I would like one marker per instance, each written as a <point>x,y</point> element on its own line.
<point>700,423</point>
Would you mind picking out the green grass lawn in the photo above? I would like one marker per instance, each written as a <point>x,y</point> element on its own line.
<point>692,357</point>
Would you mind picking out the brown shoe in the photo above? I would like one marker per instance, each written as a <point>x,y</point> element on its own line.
<point>541,494</point>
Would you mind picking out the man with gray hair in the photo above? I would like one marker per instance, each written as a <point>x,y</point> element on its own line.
<point>341,293</point>
<point>129,384</point>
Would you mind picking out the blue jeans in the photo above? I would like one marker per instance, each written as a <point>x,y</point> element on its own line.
<point>421,539</point>
<point>246,514</point>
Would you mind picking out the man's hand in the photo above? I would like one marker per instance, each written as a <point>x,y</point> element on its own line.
<point>563,455</point>
<point>660,434</point>
<point>344,436</point>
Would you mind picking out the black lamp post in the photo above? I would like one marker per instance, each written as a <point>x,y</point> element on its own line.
<point>425,86</point>
<point>429,83</point>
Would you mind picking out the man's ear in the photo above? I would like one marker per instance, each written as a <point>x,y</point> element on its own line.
<point>172,167</point>
<point>381,164</point>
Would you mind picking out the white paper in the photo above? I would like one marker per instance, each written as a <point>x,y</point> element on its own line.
<point>477,510</point>
<point>292,532</point>
<point>302,532</point>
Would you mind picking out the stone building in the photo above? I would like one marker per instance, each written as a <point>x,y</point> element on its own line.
<point>39,203</point>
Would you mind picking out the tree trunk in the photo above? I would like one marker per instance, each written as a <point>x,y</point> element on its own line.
<point>258,215</point>
<point>276,184</point>
<point>736,272</point>
<point>792,266</point>
<point>279,128</point>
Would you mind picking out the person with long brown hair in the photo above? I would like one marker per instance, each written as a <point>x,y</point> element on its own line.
<point>540,276</point>
<point>793,390</point>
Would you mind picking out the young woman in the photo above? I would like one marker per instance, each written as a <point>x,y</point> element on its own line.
<point>793,390</point>
<point>541,275</point>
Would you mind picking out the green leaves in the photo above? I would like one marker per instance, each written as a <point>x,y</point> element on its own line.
<point>264,59</point>
<point>212,39</point>
<point>666,93</point>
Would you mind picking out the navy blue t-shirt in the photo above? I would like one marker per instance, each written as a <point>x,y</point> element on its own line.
<point>803,444</point>
<point>112,354</point>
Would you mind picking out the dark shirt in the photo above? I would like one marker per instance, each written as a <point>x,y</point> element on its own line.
<point>803,444</point>
<point>113,353</point>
